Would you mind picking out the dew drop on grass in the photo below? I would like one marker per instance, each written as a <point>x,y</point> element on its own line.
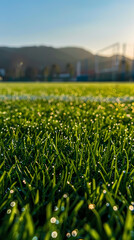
<point>91,206</point>
<point>131,208</point>
<point>11,191</point>
<point>8,211</point>
<point>104,191</point>
<point>74,233</point>
<point>23,209</point>
<point>35,238</point>
<point>54,234</point>
<point>65,195</point>
<point>53,220</point>
<point>24,181</point>
<point>12,204</point>
<point>56,208</point>
<point>115,208</point>
<point>107,204</point>
<point>62,208</point>
<point>68,235</point>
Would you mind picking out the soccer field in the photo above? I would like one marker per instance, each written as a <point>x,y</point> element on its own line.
<point>66,161</point>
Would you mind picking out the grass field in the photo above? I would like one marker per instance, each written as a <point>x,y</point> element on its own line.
<point>66,161</point>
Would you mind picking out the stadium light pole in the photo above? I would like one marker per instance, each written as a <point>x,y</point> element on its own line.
<point>123,63</point>
<point>96,67</point>
<point>132,70</point>
<point>114,64</point>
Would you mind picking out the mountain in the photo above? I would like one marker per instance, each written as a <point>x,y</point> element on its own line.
<point>77,53</point>
<point>42,56</point>
<point>39,57</point>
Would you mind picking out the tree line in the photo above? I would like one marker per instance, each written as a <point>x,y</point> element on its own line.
<point>45,74</point>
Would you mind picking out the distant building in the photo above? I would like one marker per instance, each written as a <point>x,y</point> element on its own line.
<point>78,69</point>
<point>64,76</point>
<point>2,73</point>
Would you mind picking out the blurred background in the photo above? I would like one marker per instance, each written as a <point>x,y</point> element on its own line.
<point>55,40</point>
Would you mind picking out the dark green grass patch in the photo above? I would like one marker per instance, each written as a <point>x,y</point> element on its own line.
<point>66,168</point>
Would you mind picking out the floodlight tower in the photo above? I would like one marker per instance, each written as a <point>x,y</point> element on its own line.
<point>78,68</point>
<point>116,57</point>
<point>123,63</point>
<point>96,67</point>
<point>114,62</point>
<point>132,73</point>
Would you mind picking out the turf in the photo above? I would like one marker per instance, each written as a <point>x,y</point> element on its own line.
<point>67,166</point>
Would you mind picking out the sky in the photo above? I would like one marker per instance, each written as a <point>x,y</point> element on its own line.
<point>91,24</point>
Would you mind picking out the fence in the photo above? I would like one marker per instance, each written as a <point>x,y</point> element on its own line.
<point>113,63</point>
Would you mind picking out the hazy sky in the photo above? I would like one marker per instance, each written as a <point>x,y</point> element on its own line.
<point>92,24</point>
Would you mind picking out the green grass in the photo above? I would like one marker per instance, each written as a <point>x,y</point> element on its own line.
<point>66,167</point>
